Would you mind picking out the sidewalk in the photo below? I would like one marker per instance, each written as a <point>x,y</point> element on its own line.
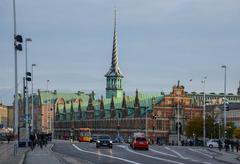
<point>226,157</point>
<point>7,153</point>
<point>42,156</point>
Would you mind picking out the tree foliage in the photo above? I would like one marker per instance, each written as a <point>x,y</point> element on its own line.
<point>230,129</point>
<point>237,133</point>
<point>194,127</point>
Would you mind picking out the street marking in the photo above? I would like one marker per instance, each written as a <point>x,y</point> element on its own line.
<point>200,152</point>
<point>194,160</point>
<point>104,155</point>
<point>157,158</point>
<point>176,153</point>
<point>156,151</point>
<point>207,162</point>
<point>162,153</point>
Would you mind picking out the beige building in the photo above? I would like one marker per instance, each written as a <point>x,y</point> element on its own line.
<point>6,116</point>
<point>10,116</point>
<point>3,115</point>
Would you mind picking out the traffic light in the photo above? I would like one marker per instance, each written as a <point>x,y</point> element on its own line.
<point>28,76</point>
<point>18,41</point>
<point>227,106</point>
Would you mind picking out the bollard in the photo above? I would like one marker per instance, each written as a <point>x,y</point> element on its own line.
<point>15,149</point>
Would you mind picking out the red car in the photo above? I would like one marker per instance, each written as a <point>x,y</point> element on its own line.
<point>139,143</point>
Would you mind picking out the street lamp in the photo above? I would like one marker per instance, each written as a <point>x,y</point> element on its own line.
<point>27,79</point>
<point>224,106</point>
<point>47,106</point>
<point>146,118</point>
<point>204,110</point>
<point>33,65</point>
<point>178,132</point>
<point>17,47</point>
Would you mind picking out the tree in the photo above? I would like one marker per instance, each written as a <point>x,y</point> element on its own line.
<point>230,130</point>
<point>195,127</point>
<point>210,128</point>
<point>237,133</point>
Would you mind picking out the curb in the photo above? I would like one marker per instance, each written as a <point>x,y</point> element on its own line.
<point>58,156</point>
<point>217,152</point>
<point>23,157</point>
<point>214,157</point>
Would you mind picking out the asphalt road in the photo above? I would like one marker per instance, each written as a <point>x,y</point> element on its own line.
<point>122,153</point>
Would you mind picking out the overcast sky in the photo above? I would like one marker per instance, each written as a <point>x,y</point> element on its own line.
<point>159,41</point>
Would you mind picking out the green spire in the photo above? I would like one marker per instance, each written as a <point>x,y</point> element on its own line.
<point>114,75</point>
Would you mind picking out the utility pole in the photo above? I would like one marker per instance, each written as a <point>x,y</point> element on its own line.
<point>204,111</point>
<point>224,106</point>
<point>33,65</point>
<point>178,132</point>
<point>17,47</point>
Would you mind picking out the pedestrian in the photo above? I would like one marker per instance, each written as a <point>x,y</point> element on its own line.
<point>182,142</point>
<point>8,138</point>
<point>219,145</point>
<point>32,139</point>
<point>232,145</point>
<point>237,145</point>
<point>41,140</point>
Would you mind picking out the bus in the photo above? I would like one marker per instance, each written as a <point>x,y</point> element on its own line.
<point>85,135</point>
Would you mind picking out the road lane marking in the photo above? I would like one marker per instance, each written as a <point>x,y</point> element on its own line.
<point>200,152</point>
<point>159,152</point>
<point>156,151</point>
<point>104,155</point>
<point>207,162</point>
<point>157,158</point>
<point>176,153</point>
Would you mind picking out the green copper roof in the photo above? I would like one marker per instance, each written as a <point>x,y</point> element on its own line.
<point>144,100</point>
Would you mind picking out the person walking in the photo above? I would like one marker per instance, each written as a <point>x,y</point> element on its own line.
<point>8,138</point>
<point>220,145</point>
<point>32,139</point>
<point>237,145</point>
<point>232,145</point>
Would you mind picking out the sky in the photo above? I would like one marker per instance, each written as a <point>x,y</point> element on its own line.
<point>159,43</point>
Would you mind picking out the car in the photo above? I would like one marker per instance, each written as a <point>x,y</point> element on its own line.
<point>118,139</point>
<point>94,137</point>
<point>139,143</point>
<point>3,137</point>
<point>104,140</point>
<point>213,143</point>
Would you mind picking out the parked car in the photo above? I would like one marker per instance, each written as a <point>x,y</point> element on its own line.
<point>104,140</point>
<point>139,143</point>
<point>118,139</point>
<point>3,137</point>
<point>213,143</point>
<point>94,137</point>
<point>128,139</point>
<point>198,142</point>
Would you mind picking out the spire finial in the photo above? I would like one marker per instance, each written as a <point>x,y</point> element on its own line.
<point>114,69</point>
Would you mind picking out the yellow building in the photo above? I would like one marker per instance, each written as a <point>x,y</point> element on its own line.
<point>10,116</point>
<point>3,115</point>
<point>6,116</point>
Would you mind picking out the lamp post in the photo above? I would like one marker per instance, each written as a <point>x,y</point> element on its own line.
<point>27,79</point>
<point>146,123</point>
<point>47,106</point>
<point>17,47</point>
<point>178,132</point>
<point>33,65</point>
<point>224,106</point>
<point>204,110</point>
